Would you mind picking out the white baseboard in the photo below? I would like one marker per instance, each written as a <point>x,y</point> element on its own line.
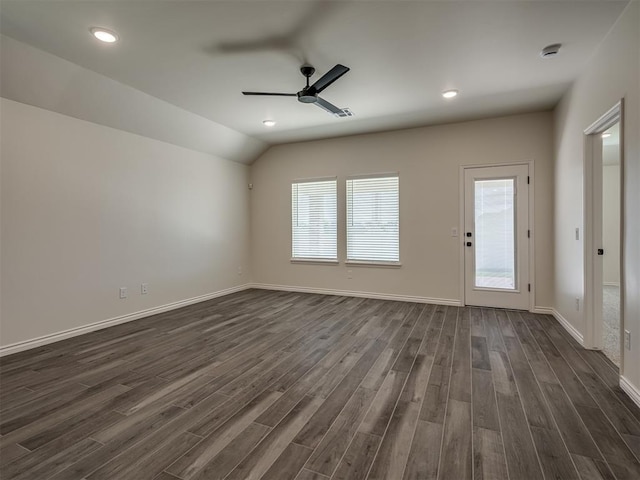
<point>349,293</point>
<point>73,332</point>
<point>543,310</point>
<point>568,327</point>
<point>630,389</point>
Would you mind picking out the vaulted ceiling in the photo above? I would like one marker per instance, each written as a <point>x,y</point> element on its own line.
<point>196,57</point>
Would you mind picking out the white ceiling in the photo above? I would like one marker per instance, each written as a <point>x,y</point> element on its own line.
<point>198,56</point>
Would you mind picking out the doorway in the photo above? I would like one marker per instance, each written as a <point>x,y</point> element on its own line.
<point>611,182</point>
<point>603,246</point>
<point>496,236</point>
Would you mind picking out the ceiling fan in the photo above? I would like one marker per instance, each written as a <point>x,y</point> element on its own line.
<point>309,94</point>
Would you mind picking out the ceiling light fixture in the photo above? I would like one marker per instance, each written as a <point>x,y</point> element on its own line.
<point>104,35</point>
<point>269,123</point>
<point>450,93</point>
<point>606,135</point>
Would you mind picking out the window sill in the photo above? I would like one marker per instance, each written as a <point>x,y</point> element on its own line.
<point>371,263</point>
<point>317,261</point>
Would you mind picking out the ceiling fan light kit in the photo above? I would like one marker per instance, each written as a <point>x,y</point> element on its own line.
<point>309,94</point>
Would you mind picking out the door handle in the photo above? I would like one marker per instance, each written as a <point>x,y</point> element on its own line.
<point>468,244</point>
<point>601,251</point>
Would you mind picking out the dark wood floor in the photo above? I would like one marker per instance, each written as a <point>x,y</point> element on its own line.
<point>296,386</point>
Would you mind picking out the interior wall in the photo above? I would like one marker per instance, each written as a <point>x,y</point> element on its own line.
<point>87,209</point>
<point>611,224</point>
<point>612,74</point>
<point>428,161</point>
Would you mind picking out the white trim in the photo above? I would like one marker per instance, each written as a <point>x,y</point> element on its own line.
<point>573,331</point>
<point>592,268</point>
<point>92,327</point>
<point>372,263</point>
<point>317,261</point>
<point>373,175</point>
<point>542,310</point>
<point>315,179</point>
<point>531,237</point>
<point>630,389</point>
<point>349,293</point>
<point>611,284</point>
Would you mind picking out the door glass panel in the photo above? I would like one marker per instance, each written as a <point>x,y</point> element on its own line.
<point>495,234</point>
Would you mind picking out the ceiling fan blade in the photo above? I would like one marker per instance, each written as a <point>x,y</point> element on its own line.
<point>329,107</point>
<point>271,94</point>
<point>328,78</point>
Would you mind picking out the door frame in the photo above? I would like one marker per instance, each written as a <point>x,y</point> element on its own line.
<point>592,156</point>
<point>461,237</point>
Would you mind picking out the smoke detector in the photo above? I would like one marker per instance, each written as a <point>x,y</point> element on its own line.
<point>550,50</point>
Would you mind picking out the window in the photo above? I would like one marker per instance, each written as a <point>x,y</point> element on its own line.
<point>373,219</point>
<point>314,220</point>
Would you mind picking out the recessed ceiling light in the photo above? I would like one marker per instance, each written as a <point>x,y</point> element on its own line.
<point>104,35</point>
<point>606,134</point>
<point>269,123</point>
<point>450,93</point>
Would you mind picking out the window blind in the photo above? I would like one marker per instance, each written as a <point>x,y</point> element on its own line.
<point>314,220</point>
<point>373,221</point>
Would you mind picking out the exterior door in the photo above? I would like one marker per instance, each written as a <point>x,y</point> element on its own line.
<point>496,236</point>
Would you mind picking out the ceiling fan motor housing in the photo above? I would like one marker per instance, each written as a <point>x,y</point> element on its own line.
<point>307,96</point>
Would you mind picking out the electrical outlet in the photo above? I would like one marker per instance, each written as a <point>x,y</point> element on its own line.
<point>349,274</point>
<point>454,232</point>
<point>577,304</point>
<point>123,292</point>
<point>627,339</point>
<point>239,270</point>
<point>144,289</point>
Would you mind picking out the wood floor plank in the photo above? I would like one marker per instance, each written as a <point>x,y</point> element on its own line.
<point>522,460</point>
<point>309,475</point>
<point>285,385</point>
<point>357,460</point>
<point>223,463</point>
<point>312,433</point>
<point>261,458</point>
<point>391,459</point>
<point>573,431</point>
<point>485,412</point>
<point>383,404</point>
<point>437,393</point>
<point>554,457</point>
<point>480,353</point>
<point>460,388</point>
<point>328,453</point>
<point>456,460</point>
<point>621,460</point>
<point>488,455</point>
<point>196,458</point>
<point>590,469</point>
<point>289,463</point>
<point>424,456</point>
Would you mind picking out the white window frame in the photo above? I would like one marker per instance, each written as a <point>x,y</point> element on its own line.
<point>320,260</point>
<point>367,262</point>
